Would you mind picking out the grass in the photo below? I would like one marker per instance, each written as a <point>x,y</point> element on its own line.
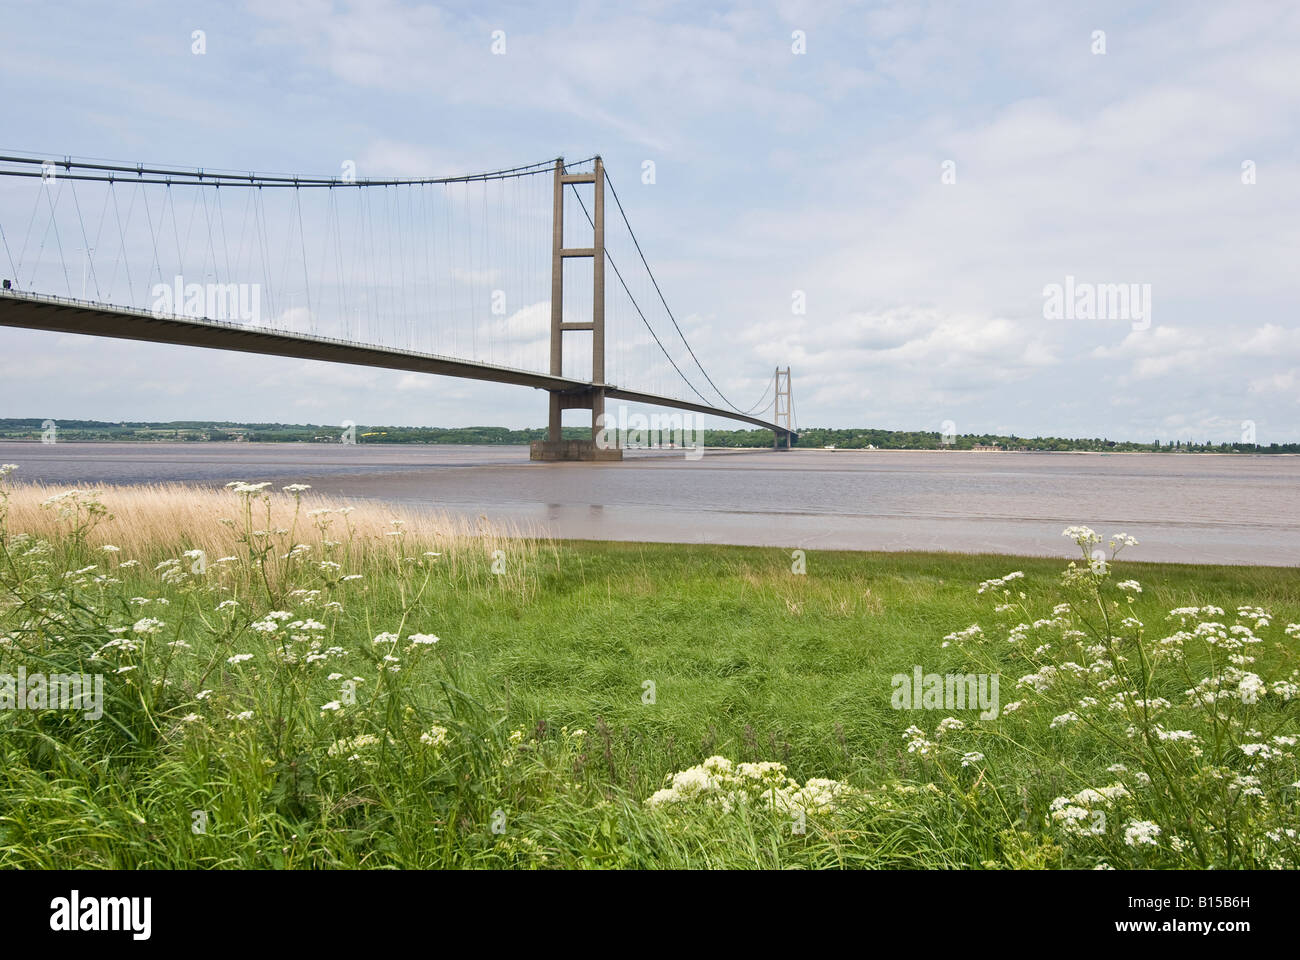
<point>572,681</point>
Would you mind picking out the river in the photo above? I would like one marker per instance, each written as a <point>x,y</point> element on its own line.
<point>1182,507</point>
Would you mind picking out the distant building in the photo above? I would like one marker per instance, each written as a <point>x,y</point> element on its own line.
<point>987,447</point>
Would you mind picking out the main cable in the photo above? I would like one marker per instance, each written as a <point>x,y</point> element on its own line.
<point>664,301</point>
<point>198,176</point>
<point>618,273</point>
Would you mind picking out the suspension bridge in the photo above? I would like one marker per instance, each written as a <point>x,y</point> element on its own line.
<point>482,276</point>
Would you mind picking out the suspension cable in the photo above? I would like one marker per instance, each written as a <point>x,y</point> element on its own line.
<point>662,300</point>
<point>618,273</point>
<point>200,176</point>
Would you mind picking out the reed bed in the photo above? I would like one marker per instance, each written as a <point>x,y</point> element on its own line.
<point>151,521</point>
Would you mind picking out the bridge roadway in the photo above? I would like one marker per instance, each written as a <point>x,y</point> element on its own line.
<point>61,315</point>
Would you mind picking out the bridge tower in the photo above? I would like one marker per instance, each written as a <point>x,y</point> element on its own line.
<point>781,411</point>
<point>554,447</point>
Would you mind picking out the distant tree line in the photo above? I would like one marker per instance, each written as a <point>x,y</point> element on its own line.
<point>852,439</point>
<point>196,431</point>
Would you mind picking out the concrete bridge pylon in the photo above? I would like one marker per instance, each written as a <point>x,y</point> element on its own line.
<point>555,447</point>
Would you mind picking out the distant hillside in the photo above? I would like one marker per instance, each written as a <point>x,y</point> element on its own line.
<point>200,431</point>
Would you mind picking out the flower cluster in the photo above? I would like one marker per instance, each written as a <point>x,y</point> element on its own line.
<point>1203,735</point>
<point>719,782</point>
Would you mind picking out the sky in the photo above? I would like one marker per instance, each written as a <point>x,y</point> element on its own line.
<point>918,177</point>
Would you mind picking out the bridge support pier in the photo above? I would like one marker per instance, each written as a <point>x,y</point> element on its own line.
<point>555,447</point>
<point>781,408</point>
<point>575,450</point>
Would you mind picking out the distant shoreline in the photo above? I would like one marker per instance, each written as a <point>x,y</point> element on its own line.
<point>1090,453</point>
<point>827,439</point>
<point>713,449</point>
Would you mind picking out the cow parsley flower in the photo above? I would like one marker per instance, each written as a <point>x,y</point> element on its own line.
<point>1139,833</point>
<point>435,737</point>
<point>948,723</point>
<point>917,743</point>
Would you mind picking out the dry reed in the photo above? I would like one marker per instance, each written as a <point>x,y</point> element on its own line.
<point>151,520</point>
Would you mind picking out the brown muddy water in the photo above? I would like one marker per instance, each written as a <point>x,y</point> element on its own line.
<point>1182,507</point>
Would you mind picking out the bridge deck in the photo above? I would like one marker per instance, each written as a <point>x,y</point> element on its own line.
<point>57,314</point>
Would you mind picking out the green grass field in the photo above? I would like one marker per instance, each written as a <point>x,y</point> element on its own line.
<point>314,722</point>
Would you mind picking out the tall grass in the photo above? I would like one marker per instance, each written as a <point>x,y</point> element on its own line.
<point>165,519</point>
<point>275,697</point>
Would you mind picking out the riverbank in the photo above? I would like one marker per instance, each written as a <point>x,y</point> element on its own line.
<point>1211,510</point>
<point>370,688</point>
